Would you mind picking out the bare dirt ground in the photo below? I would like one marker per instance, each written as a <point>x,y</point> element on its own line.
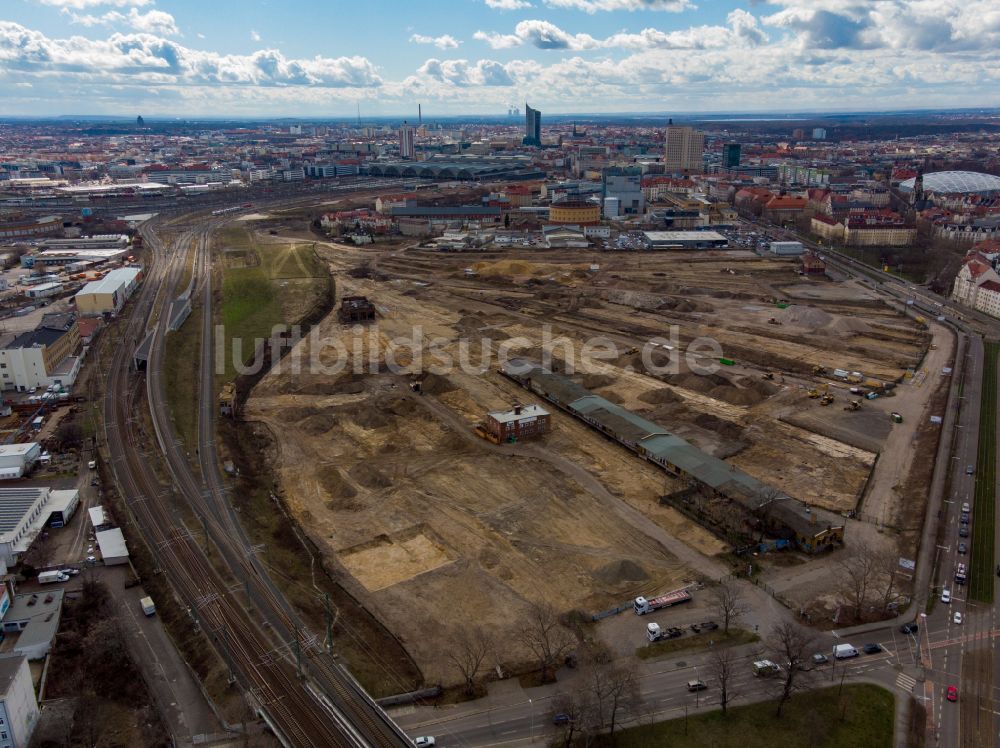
<point>431,528</point>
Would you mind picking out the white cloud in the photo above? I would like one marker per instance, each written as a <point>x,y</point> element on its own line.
<point>445,41</point>
<point>806,54</point>
<point>741,31</point>
<point>84,4</point>
<point>153,60</point>
<point>254,36</point>
<point>508,4</point>
<point>151,22</point>
<point>540,34</point>
<point>593,6</point>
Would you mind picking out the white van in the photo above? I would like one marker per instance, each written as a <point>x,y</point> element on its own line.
<point>844,651</point>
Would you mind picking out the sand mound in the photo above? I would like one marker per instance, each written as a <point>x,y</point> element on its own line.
<point>699,383</point>
<point>318,424</point>
<point>735,395</point>
<point>340,491</point>
<point>371,418</point>
<point>596,381</point>
<point>758,385</point>
<point>721,426</point>
<point>803,316</point>
<point>435,384</point>
<point>621,572</point>
<point>850,326</point>
<point>365,474</point>
<point>661,396</point>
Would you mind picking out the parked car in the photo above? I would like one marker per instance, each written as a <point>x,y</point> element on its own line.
<point>962,548</point>
<point>909,628</point>
<point>820,659</point>
<point>963,531</point>
<point>946,595</point>
<point>965,518</point>
<point>426,741</point>
<point>952,693</point>
<point>872,648</point>
<point>965,507</point>
<point>92,464</point>
<point>969,469</point>
<point>957,618</point>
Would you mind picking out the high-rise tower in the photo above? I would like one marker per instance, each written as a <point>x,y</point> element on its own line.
<point>532,126</point>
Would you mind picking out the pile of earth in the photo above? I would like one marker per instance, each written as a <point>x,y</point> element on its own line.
<point>318,424</point>
<point>340,491</point>
<point>436,384</point>
<point>367,475</point>
<point>621,572</point>
<point>596,381</point>
<point>661,396</point>
<point>720,426</point>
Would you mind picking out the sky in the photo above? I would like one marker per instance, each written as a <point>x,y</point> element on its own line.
<point>326,58</point>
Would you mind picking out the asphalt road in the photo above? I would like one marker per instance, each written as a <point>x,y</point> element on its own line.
<point>524,716</point>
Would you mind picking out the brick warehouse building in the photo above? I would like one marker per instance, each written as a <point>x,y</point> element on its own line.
<point>520,422</point>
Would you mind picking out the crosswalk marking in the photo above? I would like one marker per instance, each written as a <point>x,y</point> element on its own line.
<point>905,682</point>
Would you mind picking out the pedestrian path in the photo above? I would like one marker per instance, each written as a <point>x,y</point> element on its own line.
<point>906,682</point>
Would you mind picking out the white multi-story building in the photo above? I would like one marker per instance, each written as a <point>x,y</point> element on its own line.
<point>18,706</point>
<point>977,284</point>
<point>407,148</point>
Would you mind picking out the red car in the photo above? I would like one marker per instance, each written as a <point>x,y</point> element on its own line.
<point>952,693</point>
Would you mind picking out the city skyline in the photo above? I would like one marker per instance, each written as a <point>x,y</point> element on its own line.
<point>181,58</point>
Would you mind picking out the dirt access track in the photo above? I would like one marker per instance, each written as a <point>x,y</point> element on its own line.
<point>433,528</point>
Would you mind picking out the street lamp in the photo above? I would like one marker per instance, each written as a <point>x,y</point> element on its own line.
<point>923,625</point>
<point>531,721</point>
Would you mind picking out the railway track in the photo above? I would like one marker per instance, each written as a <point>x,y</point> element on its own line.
<point>306,701</point>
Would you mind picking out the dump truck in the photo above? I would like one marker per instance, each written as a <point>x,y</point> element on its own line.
<point>147,605</point>
<point>826,399</point>
<point>643,606</point>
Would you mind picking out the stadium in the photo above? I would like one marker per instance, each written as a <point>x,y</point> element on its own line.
<point>956,183</point>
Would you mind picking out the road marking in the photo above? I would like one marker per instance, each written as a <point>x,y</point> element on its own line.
<point>906,682</point>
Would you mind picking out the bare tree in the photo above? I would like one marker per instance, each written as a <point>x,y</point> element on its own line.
<point>764,502</point>
<point>467,653</point>
<point>614,690</point>
<point>887,567</point>
<point>543,634</point>
<point>794,643</point>
<point>859,571</point>
<point>577,710</point>
<point>722,664</point>
<point>730,604</point>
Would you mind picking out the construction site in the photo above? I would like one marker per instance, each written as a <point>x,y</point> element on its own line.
<point>429,522</point>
